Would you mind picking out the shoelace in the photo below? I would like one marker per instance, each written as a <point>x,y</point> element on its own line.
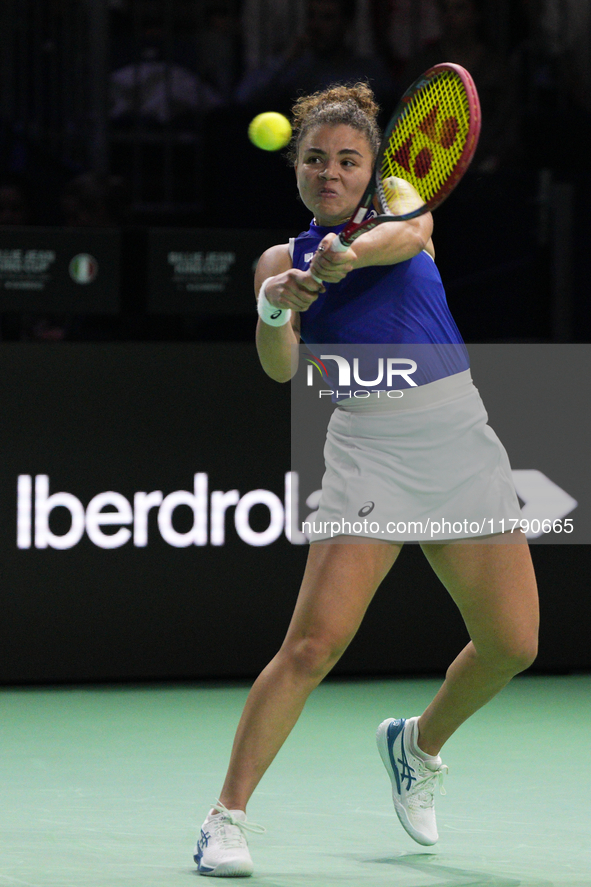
<point>424,789</point>
<point>230,838</point>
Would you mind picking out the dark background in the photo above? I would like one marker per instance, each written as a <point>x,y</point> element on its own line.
<point>128,118</point>
<point>133,114</point>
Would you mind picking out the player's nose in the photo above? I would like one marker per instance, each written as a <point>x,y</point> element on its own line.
<point>329,170</point>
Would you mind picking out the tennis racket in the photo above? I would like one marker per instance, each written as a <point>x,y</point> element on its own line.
<point>426,149</point>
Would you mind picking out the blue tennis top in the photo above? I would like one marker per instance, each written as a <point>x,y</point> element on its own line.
<point>401,304</point>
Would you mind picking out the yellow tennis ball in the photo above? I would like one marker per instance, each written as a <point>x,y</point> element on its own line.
<point>270,131</point>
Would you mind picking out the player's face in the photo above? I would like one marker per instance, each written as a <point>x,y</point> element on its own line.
<point>333,168</point>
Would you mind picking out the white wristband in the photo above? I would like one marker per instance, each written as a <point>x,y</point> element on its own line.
<point>268,313</point>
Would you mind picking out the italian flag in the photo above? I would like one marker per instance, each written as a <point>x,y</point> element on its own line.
<point>83,268</point>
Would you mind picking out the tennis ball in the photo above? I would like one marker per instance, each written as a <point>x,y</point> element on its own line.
<point>270,131</point>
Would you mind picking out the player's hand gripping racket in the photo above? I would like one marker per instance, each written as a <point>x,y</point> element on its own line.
<point>426,149</point>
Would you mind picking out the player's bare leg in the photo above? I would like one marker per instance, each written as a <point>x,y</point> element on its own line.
<point>339,582</point>
<point>494,587</point>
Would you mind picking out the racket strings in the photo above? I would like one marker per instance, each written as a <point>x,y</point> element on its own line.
<point>427,143</point>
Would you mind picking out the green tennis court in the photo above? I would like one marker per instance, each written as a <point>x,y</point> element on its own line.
<point>106,787</point>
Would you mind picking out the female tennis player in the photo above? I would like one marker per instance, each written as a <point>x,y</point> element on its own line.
<point>435,449</point>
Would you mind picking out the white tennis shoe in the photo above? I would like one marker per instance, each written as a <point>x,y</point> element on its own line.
<point>221,849</point>
<point>413,780</point>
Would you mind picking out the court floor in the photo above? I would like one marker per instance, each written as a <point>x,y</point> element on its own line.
<point>106,787</point>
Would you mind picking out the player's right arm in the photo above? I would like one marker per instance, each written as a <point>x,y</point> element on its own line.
<point>288,288</point>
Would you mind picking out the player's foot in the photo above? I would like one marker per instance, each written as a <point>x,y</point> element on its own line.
<point>221,848</point>
<point>414,780</point>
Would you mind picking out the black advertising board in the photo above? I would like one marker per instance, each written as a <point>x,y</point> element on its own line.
<point>60,269</point>
<point>205,271</point>
<point>144,494</point>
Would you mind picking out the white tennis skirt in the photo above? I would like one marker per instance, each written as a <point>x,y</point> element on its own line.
<point>425,467</point>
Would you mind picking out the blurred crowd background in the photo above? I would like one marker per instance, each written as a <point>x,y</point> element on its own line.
<point>133,113</point>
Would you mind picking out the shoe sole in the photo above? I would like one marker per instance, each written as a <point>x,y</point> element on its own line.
<point>226,870</point>
<point>384,750</point>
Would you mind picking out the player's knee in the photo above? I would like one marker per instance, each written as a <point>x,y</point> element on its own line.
<point>313,657</point>
<point>513,655</point>
<point>525,654</point>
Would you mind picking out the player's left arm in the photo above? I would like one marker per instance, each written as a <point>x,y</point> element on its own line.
<point>383,245</point>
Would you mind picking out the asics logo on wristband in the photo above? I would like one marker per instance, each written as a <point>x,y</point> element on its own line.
<point>277,314</point>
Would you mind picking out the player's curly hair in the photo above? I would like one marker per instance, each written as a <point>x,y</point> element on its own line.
<point>354,106</point>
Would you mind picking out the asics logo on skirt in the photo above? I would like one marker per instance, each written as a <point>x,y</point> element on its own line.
<point>366,509</point>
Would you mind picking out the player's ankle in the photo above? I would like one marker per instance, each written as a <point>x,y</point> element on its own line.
<point>229,804</point>
<point>425,745</point>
